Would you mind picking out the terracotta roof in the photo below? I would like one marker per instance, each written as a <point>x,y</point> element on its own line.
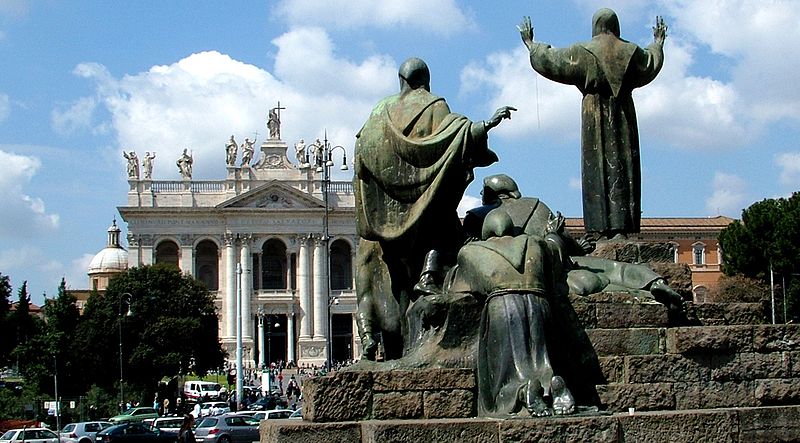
<point>669,223</point>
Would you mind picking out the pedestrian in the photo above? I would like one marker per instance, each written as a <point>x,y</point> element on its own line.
<point>185,435</point>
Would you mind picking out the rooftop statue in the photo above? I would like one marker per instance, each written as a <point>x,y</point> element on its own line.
<point>247,151</point>
<point>231,151</point>
<point>605,69</point>
<point>133,164</point>
<point>413,161</point>
<point>147,165</point>
<point>184,164</point>
<point>274,124</point>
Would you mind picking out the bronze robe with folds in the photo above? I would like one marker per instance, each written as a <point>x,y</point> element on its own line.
<point>413,161</point>
<point>515,274</point>
<point>605,70</point>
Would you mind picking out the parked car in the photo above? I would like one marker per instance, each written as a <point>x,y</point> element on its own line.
<point>82,432</point>
<point>134,432</point>
<point>195,390</point>
<point>268,415</point>
<point>297,415</point>
<point>214,408</point>
<point>168,424</point>
<point>227,428</point>
<point>134,414</point>
<point>29,435</point>
<point>272,401</point>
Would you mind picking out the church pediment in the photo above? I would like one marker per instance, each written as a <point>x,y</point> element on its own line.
<point>273,195</point>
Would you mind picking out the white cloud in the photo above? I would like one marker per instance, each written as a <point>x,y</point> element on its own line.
<point>433,16</point>
<point>199,101</point>
<point>757,37</point>
<point>575,183</point>
<point>729,195</point>
<point>23,215</point>
<point>467,202</point>
<point>14,8</point>
<point>76,275</point>
<point>77,116</point>
<point>5,105</point>
<point>789,164</point>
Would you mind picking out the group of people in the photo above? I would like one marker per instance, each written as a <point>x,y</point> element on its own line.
<point>413,161</point>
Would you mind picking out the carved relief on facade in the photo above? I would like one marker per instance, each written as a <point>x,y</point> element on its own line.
<point>273,200</point>
<point>147,239</point>
<point>311,351</point>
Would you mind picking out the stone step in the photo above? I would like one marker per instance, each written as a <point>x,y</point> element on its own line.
<point>752,425</point>
<point>730,313</point>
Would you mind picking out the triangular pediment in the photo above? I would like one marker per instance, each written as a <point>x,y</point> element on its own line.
<point>273,195</point>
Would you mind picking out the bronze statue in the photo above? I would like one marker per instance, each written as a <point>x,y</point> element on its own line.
<point>605,70</point>
<point>413,161</point>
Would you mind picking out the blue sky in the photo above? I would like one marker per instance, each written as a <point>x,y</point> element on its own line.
<point>81,81</point>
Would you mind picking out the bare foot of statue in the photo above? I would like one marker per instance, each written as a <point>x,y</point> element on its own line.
<point>369,347</point>
<point>532,394</point>
<point>563,402</point>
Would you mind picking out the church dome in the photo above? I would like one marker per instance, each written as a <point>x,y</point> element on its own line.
<point>113,258</point>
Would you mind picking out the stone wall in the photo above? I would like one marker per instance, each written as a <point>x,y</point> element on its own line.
<point>751,425</point>
<point>387,395</point>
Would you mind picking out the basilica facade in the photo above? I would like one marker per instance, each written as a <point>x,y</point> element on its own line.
<point>280,234</point>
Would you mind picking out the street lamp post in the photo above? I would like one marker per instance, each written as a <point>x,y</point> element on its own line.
<point>239,375</point>
<point>323,159</point>
<point>125,297</point>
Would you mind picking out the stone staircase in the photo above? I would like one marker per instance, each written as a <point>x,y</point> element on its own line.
<point>729,361</point>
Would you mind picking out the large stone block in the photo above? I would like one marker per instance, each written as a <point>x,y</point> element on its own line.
<point>633,315</point>
<point>769,424</point>
<point>749,366</point>
<point>619,342</point>
<point>666,368</point>
<point>778,391</point>
<point>293,431</point>
<point>635,252</point>
<point>645,397</point>
<point>770,338</point>
<point>457,403</point>
<point>393,405</point>
<point>696,426</point>
<point>423,379</point>
<point>730,313</point>
<point>343,396</point>
<point>710,339</point>
<point>597,429</point>
<point>711,395</point>
<point>418,431</point>
<point>612,368</point>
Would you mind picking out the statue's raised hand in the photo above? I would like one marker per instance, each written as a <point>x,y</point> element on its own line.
<point>526,32</point>
<point>660,31</point>
<point>501,113</point>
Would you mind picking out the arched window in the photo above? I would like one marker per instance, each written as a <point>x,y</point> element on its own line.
<point>167,252</point>
<point>699,253</point>
<point>341,266</point>
<point>273,265</point>
<point>207,264</point>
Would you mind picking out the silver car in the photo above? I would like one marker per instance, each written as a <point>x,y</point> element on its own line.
<point>227,428</point>
<point>82,432</point>
<point>30,435</point>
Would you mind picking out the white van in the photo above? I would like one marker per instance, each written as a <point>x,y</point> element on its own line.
<point>195,390</point>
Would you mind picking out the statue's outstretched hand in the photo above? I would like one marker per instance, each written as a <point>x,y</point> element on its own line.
<point>526,32</point>
<point>660,31</point>
<point>501,113</point>
<point>555,225</point>
<point>587,244</point>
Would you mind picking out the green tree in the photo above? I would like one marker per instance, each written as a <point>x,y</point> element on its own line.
<point>767,238</point>
<point>61,319</point>
<point>30,345</point>
<point>6,345</point>
<point>168,323</point>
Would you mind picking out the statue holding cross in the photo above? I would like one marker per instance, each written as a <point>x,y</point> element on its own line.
<point>274,122</point>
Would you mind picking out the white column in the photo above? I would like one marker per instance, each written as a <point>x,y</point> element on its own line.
<point>320,290</point>
<point>290,336</point>
<point>230,286</point>
<point>261,346</point>
<point>247,287</point>
<point>304,289</point>
<point>186,260</point>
